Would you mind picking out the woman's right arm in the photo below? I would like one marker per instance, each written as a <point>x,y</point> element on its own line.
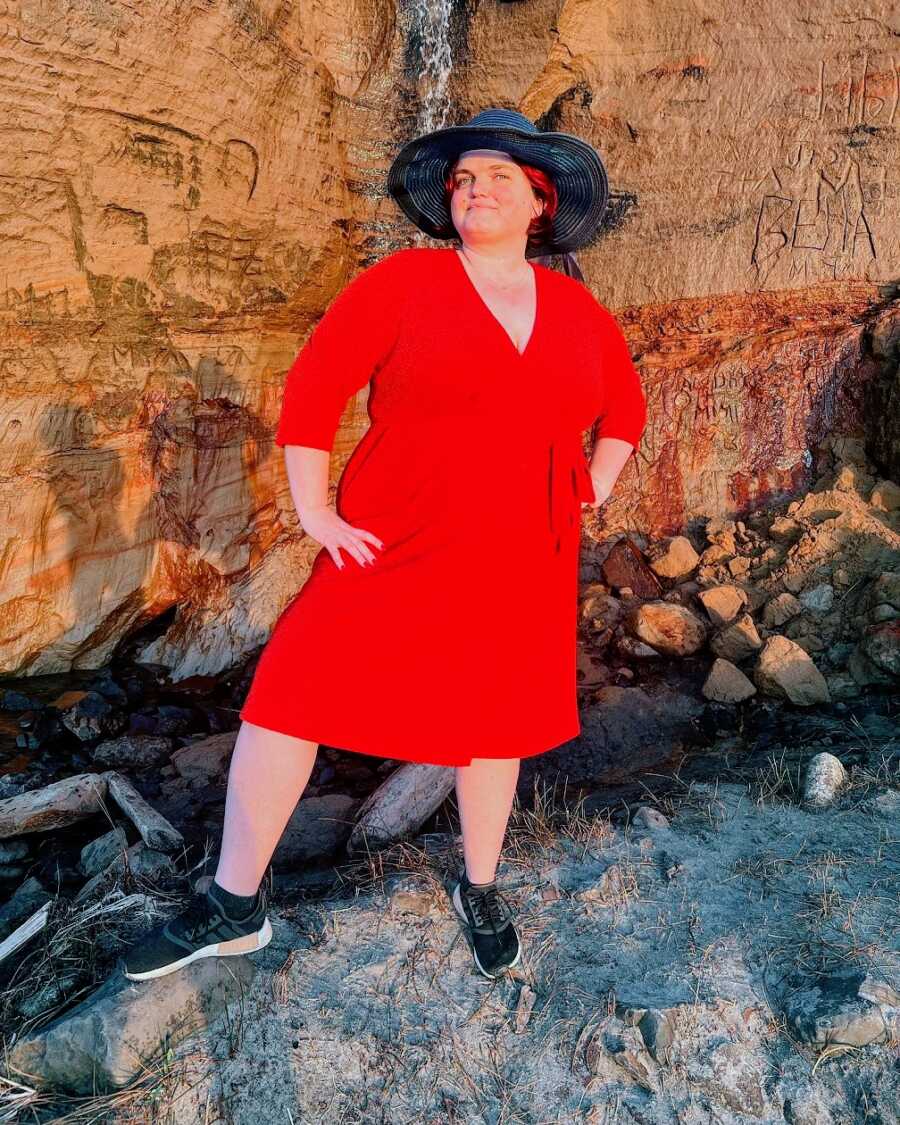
<point>345,348</point>
<point>307,472</point>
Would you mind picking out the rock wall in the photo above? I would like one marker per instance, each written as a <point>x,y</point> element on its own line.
<point>186,187</point>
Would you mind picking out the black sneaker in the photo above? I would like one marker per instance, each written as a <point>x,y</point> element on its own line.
<point>495,943</point>
<point>202,929</point>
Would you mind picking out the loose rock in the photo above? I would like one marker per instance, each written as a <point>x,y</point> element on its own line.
<point>722,603</point>
<point>726,683</point>
<point>672,629</point>
<point>737,641</point>
<point>823,778</point>
<point>785,670</point>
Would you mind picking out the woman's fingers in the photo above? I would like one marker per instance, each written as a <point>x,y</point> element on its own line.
<point>370,537</point>
<point>355,544</point>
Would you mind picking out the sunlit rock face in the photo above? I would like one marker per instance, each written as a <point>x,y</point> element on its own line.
<point>186,188</point>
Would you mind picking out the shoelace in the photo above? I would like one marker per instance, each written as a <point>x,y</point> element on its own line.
<point>488,907</point>
<point>200,913</point>
<point>197,917</point>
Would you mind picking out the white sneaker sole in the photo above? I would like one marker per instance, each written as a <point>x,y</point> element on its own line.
<point>458,907</point>
<point>250,943</point>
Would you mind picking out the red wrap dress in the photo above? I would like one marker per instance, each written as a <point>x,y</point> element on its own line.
<point>459,641</point>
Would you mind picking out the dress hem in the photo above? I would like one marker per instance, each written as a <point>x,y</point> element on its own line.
<point>399,755</point>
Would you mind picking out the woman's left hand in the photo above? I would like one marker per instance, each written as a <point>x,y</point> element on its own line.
<point>602,491</point>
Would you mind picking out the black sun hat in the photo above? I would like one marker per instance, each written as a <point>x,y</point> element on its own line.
<point>416,176</point>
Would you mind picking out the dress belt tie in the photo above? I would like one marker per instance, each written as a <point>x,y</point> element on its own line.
<point>569,482</point>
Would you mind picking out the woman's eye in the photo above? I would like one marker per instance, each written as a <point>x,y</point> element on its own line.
<point>464,179</point>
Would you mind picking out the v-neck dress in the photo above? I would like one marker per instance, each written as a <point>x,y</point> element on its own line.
<point>459,641</point>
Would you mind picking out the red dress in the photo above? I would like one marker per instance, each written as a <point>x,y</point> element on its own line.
<point>459,641</point>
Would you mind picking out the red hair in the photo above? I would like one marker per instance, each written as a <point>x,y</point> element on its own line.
<point>541,227</point>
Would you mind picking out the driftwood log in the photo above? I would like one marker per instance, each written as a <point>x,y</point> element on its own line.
<point>154,829</point>
<point>400,805</point>
<point>75,798</point>
<point>52,806</point>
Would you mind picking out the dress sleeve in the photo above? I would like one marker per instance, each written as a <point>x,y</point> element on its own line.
<point>347,346</point>
<point>623,412</point>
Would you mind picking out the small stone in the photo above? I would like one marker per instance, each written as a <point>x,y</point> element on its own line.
<point>885,590</point>
<point>11,850</point>
<point>91,716</point>
<point>819,599</point>
<point>138,751</point>
<point>881,643</point>
<point>100,853</point>
<point>823,778</point>
<point>657,1028</point>
<point>738,640</point>
<point>718,528</point>
<point>794,581</point>
<point>673,558</point>
<point>780,609</point>
<point>633,649</point>
<point>601,611</point>
<point>726,683</point>
<point>206,759</point>
<point>738,567</point>
<point>645,816</point>
<point>864,671</point>
<point>722,603</point>
<point>828,1009</point>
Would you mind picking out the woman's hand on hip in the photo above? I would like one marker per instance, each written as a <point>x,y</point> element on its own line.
<point>335,534</point>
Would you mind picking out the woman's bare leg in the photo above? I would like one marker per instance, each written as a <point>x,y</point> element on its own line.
<point>267,775</point>
<point>484,793</point>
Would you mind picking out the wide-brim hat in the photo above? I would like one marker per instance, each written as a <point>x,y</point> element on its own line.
<point>417,175</point>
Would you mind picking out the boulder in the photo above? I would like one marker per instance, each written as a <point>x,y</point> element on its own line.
<point>132,751</point>
<point>738,640</point>
<point>205,760</point>
<point>625,567</point>
<point>108,1039</point>
<point>726,683</point>
<point>317,827</point>
<point>672,629</point>
<point>784,670</point>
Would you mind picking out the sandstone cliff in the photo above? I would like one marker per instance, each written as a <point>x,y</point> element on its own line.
<point>185,187</point>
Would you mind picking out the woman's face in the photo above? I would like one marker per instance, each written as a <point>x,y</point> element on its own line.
<point>492,201</point>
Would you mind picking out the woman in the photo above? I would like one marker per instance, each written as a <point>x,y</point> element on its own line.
<point>439,622</point>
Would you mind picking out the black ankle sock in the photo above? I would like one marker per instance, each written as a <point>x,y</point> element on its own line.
<point>489,883</point>
<point>235,906</point>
